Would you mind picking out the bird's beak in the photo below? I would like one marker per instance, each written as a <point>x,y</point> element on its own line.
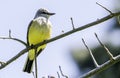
<point>51,13</point>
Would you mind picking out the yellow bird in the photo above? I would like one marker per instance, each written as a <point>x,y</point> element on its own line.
<point>39,30</point>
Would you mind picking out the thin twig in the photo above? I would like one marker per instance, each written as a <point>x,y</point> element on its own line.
<point>36,68</point>
<point>16,39</point>
<point>107,50</point>
<point>72,23</point>
<point>61,36</point>
<point>102,67</point>
<point>9,33</point>
<point>58,74</point>
<point>104,8</point>
<point>62,72</point>
<point>93,58</point>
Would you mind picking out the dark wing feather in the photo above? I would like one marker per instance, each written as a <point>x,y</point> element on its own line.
<point>28,31</point>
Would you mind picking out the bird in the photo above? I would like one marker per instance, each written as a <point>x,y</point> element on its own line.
<point>39,30</point>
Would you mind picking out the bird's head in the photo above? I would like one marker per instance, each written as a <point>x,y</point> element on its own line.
<point>43,13</point>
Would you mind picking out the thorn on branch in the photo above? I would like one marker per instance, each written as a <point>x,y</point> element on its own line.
<point>72,23</point>
<point>62,31</point>
<point>9,34</point>
<point>93,58</point>
<point>104,8</point>
<point>62,72</point>
<point>107,50</point>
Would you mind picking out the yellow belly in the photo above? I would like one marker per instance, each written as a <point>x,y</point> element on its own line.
<point>38,33</point>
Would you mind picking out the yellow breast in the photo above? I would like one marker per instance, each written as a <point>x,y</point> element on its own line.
<point>38,32</point>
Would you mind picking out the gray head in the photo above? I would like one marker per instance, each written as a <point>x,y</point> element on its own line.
<point>43,13</point>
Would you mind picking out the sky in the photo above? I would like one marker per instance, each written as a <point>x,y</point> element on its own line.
<point>16,15</point>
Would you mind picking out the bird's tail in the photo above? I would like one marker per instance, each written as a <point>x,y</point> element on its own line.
<point>28,66</point>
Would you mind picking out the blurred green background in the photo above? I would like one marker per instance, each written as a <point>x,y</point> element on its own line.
<point>83,59</point>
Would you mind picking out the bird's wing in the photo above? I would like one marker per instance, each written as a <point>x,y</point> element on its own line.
<point>28,31</point>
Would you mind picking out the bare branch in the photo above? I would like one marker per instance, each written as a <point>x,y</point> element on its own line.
<point>59,37</point>
<point>107,50</point>
<point>72,23</point>
<point>80,28</point>
<point>104,8</point>
<point>93,58</point>
<point>102,67</point>
<point>15,39</point>
<point>15,57</point>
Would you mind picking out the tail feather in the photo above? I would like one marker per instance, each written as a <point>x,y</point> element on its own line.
<point>28,66</point>
<point>29,63</point>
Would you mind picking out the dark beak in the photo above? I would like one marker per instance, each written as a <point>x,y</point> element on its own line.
<point>51,13</point>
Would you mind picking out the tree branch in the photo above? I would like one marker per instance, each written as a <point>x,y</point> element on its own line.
<point>93,58</point>
<point>107,50</point>
<point>104,8</point>
<point>101,67</point>
<point>61,36</point>
<point>80,28</point>
<point>15,39</point>
<point>15,57</point>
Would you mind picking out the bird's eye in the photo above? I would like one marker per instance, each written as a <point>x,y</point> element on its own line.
<point>44,12</point>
